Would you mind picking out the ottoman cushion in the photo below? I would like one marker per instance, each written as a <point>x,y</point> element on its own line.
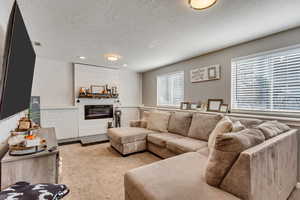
<point>128,134</point>
<point>176,178</point>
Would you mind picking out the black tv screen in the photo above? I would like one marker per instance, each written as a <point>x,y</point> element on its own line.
<point>18,67</point>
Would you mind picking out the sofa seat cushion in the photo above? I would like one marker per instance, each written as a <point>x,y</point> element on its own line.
<point>184,145</point>
<point>161,139</point>
<point>176,178</point>
<point>128,134</point>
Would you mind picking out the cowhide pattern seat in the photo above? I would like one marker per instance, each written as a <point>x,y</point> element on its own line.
<point>26,191</point>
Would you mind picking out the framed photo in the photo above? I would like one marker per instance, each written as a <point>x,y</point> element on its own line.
<point>193,106</point>
<point>214,105</point>
<point>224,108</point>
<point>207,73</point>
<point>97,89</point>
<point>184,105</point>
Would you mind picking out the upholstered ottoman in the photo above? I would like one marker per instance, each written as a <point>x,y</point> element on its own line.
<point>128,140</point>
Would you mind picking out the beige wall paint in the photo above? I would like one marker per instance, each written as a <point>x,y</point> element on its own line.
<point>196,92</point>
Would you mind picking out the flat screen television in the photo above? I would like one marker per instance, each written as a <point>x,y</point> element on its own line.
<point>17,66</point>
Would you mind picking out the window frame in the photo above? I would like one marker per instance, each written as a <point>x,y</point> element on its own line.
<point>283,113</point>
<point>157,89</point>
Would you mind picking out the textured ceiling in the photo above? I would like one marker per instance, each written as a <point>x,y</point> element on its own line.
<point>149,33</point>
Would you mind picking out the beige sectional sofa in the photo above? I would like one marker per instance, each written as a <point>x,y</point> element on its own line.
<point>265,171</point>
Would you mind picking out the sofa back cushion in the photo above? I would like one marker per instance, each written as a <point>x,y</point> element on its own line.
<point>202,125</point>
<point>180,123</point>
<point>226,151</point>
<point>247,122</point>
<point>158,121</point>
<point>272,128</point>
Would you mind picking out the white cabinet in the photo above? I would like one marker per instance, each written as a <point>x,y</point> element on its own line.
<point>64,120</point>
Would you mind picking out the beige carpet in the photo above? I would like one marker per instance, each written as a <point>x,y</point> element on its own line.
<point>96,172</point>
<point>295,195</point>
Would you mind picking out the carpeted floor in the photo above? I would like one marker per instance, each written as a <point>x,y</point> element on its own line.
<point>295,195</point>
<point>96,172</point>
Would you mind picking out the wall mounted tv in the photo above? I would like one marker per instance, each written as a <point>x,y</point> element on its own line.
<point>17,67</point>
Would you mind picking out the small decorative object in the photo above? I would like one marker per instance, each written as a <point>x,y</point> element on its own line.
<point>109,125</point>
<point>35,110</point>
<point>83,91</point>
<point>184,105</point>
<point>114,90</point>
<point>203,107</point>
<point>205,73</point>
<point>97,89</point>
<point>224,108</point>
<point>193,106</point>
<point>214,105</point>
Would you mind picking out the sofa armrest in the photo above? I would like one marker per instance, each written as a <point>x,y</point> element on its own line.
<point>138,123</point>
<point>265,171</point>
<point>135,123</point>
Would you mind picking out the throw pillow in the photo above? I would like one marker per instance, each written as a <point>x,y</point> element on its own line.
<point>180,123</point>
<point>202,125</point>
<point>237,126</point>
<point>247,122</point>
<point>158,121</point>
<point>226,151</point>
<point>272,128</point>
<point>223,126</point>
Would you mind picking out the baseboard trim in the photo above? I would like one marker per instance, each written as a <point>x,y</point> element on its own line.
<point>298,185</point>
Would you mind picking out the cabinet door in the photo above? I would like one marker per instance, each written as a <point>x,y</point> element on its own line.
<point>65,122</point>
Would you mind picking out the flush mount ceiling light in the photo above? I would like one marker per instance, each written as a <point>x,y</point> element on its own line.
<point>112,57</point>
<point>201,4</point>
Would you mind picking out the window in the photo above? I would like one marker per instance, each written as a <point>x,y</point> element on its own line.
<point>170,89</point>
<point>267,81</point>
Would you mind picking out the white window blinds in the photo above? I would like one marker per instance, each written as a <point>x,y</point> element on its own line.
<point>267,82</point>
<point>170,89</point>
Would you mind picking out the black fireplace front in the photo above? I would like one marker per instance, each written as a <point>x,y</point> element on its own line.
<point>98,111</point>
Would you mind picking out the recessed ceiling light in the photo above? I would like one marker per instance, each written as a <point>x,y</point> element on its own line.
<point>125,65</point>
<point>112,57</point>
<point>82,57</point>
<point>201,4</point>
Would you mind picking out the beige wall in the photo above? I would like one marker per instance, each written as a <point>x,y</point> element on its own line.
<point>196,92</point>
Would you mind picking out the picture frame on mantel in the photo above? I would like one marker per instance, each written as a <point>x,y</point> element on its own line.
<point>214,105</point>
<point>97,89</point>
<point>208,73</point>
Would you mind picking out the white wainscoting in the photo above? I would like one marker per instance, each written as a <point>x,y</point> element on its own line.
<point>129,114</point>
<point>65,121</point>
<point>69,121</point>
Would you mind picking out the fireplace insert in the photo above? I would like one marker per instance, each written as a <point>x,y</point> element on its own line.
<point>98,111</point>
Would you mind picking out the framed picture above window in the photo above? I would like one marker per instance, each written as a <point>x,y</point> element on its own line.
<point>170,89</point>
<point>207,73</point>
<point>267,82</point>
